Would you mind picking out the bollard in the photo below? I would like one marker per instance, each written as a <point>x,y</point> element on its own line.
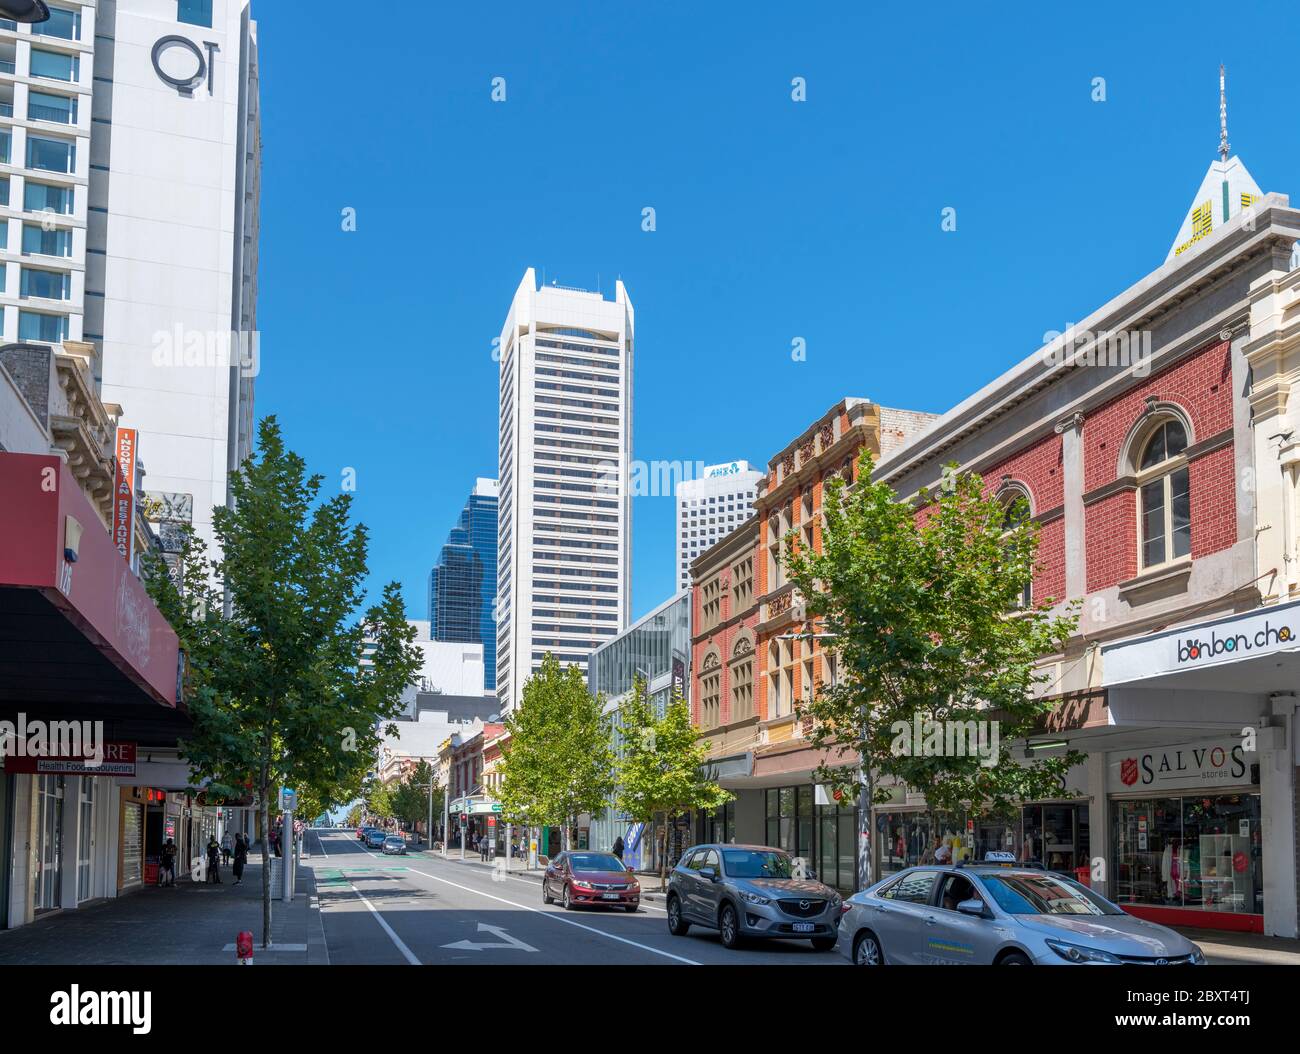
<point>244,948</point>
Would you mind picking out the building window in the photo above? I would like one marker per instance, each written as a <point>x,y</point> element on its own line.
<point>46,285</point>
<point>4,191</point>
<point>51,155</point>
<point>41,197</point>
<point>742,690</point>
<point>62,23</point>
<point>1015,511</point>
<point>1165,516</point>
<point>48,329</point>
<point>742,585</point>
<point>711,699</point>
<point>782,657</point>
<point>60,109</point>
<point>194,12</point>
<point>54,65</point>
<point>6,146</point>
<point>37,241</point>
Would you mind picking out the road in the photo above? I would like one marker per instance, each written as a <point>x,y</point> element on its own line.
<point>421,909</point>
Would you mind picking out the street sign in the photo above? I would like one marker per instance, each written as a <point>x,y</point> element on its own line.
<point>288,799</point>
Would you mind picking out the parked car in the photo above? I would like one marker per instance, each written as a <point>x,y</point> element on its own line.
<point>590,878</point>
<point>375,838</point>
<point>394,845</point>
<point>1001,915</point>
<point>361,833</point>
<point>745,891</point>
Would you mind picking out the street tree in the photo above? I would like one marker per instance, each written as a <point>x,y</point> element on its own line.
<point>273,631</point>
<point>922,606</point>
<point>662,768</point>
<point>355,815</point>
<point>411,800</point>
<point>558,761</point>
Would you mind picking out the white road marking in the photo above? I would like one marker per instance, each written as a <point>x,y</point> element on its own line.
<point>558,918</point>
<point>410,955</point>
<point>507,941</point>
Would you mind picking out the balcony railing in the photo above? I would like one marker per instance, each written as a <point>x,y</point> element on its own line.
<point>7,66</point>
<point>38,112</point>
<point>6,109</point>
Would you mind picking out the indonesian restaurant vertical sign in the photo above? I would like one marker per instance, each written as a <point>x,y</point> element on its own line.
<point>124,495</point>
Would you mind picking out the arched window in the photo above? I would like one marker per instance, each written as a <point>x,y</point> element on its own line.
<point>1165,506</point>
<point>1015,511</point>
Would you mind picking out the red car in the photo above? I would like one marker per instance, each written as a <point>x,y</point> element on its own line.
<point>588,878</point>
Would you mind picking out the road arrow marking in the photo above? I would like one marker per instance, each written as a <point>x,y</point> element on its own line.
<point>500,933</point>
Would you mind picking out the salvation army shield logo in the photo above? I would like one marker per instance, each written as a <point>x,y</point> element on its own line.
<point>1128,771</point>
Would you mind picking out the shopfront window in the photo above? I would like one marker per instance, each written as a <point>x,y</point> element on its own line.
<point>1194,851</point>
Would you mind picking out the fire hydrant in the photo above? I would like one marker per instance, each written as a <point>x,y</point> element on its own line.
<point>244,948</point>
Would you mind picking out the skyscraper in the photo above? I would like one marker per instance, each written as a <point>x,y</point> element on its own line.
<point>131,131</point>
<point>710,508</point>
<point>463,584</point>
<point>563,573</point>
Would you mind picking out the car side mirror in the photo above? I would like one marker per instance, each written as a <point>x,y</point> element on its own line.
<point>974,906</point>
<point>630,869</point>
<point>710,873</point>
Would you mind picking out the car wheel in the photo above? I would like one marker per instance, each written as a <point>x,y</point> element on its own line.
<point>823,944</point>
<point>631,908</point>
<point>546,894</point>
<point>1014,959</point>
<point>729,927</point>
<point>677,925</point>
<point>565,901</point>
<point>867,950</point>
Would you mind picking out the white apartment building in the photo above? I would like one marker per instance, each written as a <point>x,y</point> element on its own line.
<point>565,512</point>
<point>710,508</point>
<point>130,150</point>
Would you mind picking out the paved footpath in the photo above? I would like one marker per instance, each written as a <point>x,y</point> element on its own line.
<point>186,924</point>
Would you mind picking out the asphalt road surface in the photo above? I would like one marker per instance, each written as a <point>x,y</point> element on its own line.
<point>423,910</point>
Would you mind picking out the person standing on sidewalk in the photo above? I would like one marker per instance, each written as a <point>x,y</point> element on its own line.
<point>167,864</point>
<point>241,858</point>
<point>618,847</point>
<point>227,846</point>
<point>214,860</point>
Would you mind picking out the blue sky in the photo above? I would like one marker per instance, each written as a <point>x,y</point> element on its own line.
<point>775,219</point>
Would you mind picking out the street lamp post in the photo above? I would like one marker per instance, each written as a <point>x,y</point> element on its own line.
<point>863,871</point>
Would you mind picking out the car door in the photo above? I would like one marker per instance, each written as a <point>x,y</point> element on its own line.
<point>554,878</point>
<point>688,883</point>
<point>952,937</point>
<point>900,911</point>
<point>710,895</point>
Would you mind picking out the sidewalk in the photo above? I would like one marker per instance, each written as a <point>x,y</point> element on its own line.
<point>1244,949</point>
<point>188,924</point>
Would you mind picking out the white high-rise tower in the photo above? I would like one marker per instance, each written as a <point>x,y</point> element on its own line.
<point>710,508</point>
<point>565,512</point>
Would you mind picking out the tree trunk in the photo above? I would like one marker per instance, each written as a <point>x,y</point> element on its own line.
<point>264,790</point>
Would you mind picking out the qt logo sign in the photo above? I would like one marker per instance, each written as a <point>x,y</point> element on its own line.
<point>203,63</point>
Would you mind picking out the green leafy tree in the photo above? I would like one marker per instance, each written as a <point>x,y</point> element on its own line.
<point>355,815</point>
<point>559,761</point>
<point>663,764</point>
<point>411,799</point>
<point>273,633</point>
<point>924,614</point>
<point>379,799</point>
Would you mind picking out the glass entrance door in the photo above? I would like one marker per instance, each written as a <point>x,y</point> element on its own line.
<point>49,848</point>
<point>85,838</point>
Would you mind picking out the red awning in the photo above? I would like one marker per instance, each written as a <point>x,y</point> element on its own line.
<point>75,632</point>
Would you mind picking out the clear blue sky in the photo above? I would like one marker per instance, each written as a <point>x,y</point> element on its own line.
<point>776,219</point>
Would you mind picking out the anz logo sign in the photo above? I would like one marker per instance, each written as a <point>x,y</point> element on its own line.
<point>203,59</point>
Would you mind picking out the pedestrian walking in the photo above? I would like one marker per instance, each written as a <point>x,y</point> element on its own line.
<point>227,847</point>
<point>167,864</point>
<point>618,847</point>
<point>214,860</point>
<point>483,849</point>
<point>241,857</point>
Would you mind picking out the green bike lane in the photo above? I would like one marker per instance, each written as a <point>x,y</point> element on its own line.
<point>424,909</point>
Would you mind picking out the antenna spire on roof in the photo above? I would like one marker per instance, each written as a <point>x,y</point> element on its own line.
<point>1223,116</point>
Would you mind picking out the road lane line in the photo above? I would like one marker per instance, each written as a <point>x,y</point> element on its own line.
<point>410,955</point>
<point>559,918</point>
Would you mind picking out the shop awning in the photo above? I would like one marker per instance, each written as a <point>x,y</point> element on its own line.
<point>78,637</point>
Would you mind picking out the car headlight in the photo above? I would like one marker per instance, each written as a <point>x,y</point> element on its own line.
<point>634,887</point>
<point>581,885</point>
<point>753,898</point>
<point>1077,953</point>
<point>1198,958</point>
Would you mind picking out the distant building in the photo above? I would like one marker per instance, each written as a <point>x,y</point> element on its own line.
<point>710,508</point>
<point>463,584</point>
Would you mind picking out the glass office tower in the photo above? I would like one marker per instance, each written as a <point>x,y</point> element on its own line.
<point>462,586</point>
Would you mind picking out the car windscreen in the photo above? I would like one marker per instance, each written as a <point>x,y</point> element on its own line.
<point>756,863</point>
<point>596,862</point>
<point>1045,895</point>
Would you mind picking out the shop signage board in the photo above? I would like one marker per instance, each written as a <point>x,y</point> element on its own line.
<point>1235,639</point>
<point>1210,763</point>
<point>118,760</point>
<point>124,494</point>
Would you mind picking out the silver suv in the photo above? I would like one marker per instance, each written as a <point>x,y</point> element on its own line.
<point>1001,915</point>
<point>747,891</point>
